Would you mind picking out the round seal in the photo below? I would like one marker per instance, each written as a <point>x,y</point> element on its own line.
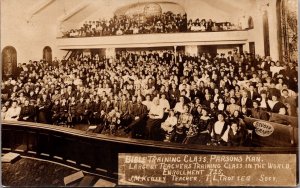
<point>263,129</point>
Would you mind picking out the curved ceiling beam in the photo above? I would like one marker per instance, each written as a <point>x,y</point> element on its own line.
<point>72,12</point>
<point>38,8</point>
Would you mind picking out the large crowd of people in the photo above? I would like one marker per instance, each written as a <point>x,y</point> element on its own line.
<point>165,23</point>
<point>209,26</point>
<point>155,95</point>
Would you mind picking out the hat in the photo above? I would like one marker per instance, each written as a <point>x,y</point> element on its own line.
<point>256,101</point>
<point>284,90</point>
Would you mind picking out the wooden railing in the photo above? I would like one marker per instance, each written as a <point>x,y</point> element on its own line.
<point>99,153</point>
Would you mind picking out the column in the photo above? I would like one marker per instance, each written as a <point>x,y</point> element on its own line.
<point>175,54</point>
<point>110,52</point>
<point>191,50</point>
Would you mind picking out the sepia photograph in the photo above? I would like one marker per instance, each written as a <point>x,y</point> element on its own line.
<point>149,93</point>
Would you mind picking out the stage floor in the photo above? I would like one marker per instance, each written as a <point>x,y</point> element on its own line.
<point>34,172</point>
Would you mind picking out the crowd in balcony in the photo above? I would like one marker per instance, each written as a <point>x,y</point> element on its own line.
<point>208,26</point>
<point>165,23</point>
<point>155,95</point>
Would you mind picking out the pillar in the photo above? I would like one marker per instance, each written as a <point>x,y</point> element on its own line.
<point>110,52</point>
<point>191,50</point>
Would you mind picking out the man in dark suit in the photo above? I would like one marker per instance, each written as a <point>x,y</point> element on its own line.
<point>252,94</point>
<point>88,107</point>
<point>69,93</point>
<point>27,112</point>
<point>230,58</point>
<point>138,113</point>
<point>245,100</point>
<point>266,64</point>
<point>290,103</point>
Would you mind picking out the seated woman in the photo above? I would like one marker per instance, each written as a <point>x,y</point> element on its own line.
<point>219,131</point>
<point>156,113</point>
<point>13,112</point>
<point>179,107</point>
<point>221,105</point>
<point>184,122</point>
<point>203,125</point>
<point>235,135</point>
<point>232,106</point>
<point>168,125</point>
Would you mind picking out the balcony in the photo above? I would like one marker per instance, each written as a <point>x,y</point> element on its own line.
<point>155,40</point>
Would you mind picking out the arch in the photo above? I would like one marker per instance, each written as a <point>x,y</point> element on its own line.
<point>9,62</point>
<point>47,54</point>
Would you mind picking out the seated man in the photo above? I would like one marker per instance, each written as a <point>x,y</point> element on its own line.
<point>138,113</point>
<point>235,135</point>
<point>88,107</point>
<point>55,112</point>
<point>13,112</point>
<point>155,115</point>
<point>63,111</point>
<point>27,112</point>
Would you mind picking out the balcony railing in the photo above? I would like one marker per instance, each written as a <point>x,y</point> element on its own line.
<point>153,40</point>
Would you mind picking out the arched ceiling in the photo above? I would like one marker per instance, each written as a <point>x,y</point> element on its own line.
<point>124,9</point>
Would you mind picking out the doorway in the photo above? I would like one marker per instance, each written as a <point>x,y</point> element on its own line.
<point>9,62</point>
<point>47,55</point>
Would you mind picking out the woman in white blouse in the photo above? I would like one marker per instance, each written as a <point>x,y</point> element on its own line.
<point>156,113</point>
<point>13,112</point>
<point>179,105</point>
<point>170,122</point>
<point>219,131</point>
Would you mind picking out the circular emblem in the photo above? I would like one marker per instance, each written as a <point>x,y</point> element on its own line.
<point>263,129</point>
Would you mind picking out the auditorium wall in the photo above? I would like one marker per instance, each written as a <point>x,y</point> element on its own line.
<point>29,31</point>
<point>30,35</point>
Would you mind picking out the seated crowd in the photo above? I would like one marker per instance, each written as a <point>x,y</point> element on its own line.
<point>165,23</point>
<point>124,25</point>
<point>155,95</point>
<point>209,25</point>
